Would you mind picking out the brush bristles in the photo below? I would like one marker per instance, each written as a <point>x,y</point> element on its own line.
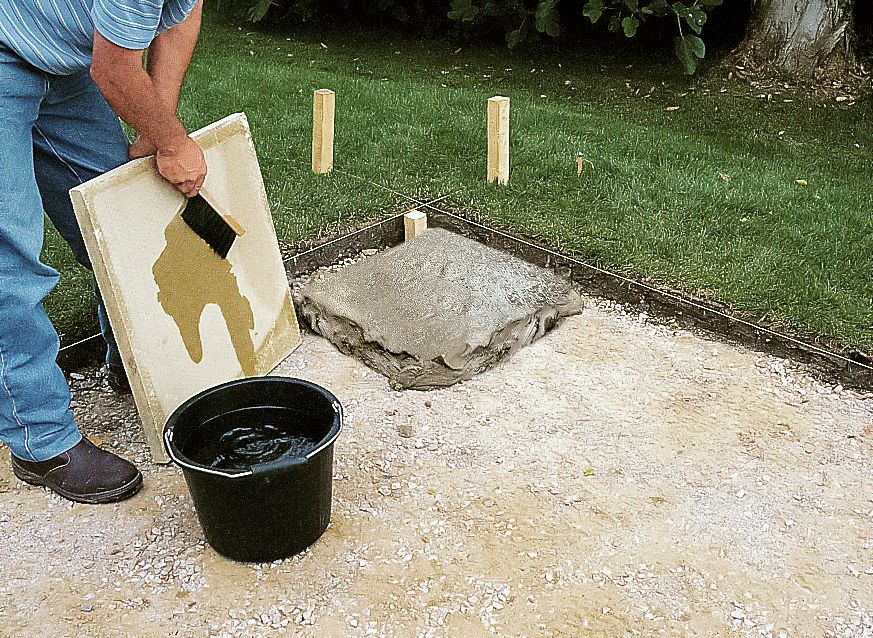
<point>209,225</point>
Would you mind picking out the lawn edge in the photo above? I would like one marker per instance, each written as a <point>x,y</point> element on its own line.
<point>667,305</point>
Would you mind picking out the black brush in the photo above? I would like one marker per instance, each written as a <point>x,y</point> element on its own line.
<point>216,230</point>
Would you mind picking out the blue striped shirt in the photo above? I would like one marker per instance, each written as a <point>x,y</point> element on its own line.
<point>57,36</point>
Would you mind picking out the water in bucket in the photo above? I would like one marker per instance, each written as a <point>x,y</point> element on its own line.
<point>241,439</point>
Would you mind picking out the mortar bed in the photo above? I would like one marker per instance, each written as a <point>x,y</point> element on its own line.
<point>436,310</point>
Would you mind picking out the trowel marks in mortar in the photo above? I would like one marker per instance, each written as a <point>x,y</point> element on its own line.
<point>190,276</point>
<point>436,310</point>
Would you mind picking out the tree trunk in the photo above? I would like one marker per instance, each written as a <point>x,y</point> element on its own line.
<point>804,39</point>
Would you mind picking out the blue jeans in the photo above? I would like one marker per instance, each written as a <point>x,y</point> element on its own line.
<point>55,133</point>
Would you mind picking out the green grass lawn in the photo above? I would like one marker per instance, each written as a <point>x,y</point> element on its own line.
<point>704,197</point>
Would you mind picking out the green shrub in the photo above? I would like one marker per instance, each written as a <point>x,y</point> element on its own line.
<point>521,21</point>
<point>551,17</point>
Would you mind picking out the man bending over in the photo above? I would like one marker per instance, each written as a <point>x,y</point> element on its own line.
<point>68,70</point>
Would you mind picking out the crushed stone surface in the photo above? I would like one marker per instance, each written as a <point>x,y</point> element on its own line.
<point>617,478</point>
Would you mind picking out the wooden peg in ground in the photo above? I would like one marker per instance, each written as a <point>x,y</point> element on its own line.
<point>498,140</point>
<point>415,223</point>
<point>323,119</point>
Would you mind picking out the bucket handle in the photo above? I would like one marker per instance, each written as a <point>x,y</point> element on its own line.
<point>279,464</point>
<point>203,469</point>
<point>284,463</point>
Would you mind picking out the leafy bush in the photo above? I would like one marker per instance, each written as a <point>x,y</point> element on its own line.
<point>548,17</point>
<point>520,20</point>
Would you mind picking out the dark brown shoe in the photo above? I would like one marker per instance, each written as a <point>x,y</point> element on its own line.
<point>85,474</point>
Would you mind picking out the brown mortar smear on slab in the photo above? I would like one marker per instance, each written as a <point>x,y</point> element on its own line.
<point>190,276</point>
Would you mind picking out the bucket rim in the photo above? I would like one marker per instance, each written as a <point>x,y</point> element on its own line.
<point>182,461</point>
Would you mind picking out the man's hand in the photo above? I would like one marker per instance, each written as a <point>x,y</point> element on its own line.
<point>186,170</point>
<point>183,166</point>
<point>142,147</point>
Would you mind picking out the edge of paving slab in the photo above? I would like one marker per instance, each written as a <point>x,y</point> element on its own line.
<point>719,321</point>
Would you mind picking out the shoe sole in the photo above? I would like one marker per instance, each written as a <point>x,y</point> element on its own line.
<point>113,496</point>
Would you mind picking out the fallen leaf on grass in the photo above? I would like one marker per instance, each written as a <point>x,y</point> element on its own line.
<point>801,182</point>
<point>672,108</point>
<point>580,164</point>
<point>724,177</point>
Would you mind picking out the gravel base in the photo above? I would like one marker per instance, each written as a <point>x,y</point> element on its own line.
<point>617,478</point>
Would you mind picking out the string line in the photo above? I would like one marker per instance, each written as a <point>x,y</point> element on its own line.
<point>659,291</point>
<point>80,342</point>
<point>361,230</point>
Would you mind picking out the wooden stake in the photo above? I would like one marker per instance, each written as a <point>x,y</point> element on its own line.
<point>498,140</point>
<point>323,116</point>
<point>415,223</point>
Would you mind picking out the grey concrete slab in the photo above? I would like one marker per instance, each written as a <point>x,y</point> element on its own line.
<point>436,310</point>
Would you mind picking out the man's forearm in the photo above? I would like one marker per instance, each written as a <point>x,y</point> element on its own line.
<point>132,94</point>
<point>170,55</point>
<point>147,98</point>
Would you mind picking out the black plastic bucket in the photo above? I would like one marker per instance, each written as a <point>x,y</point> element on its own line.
<point>271,510</point>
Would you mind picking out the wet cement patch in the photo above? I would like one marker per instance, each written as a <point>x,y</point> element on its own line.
<point>436,310</point>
